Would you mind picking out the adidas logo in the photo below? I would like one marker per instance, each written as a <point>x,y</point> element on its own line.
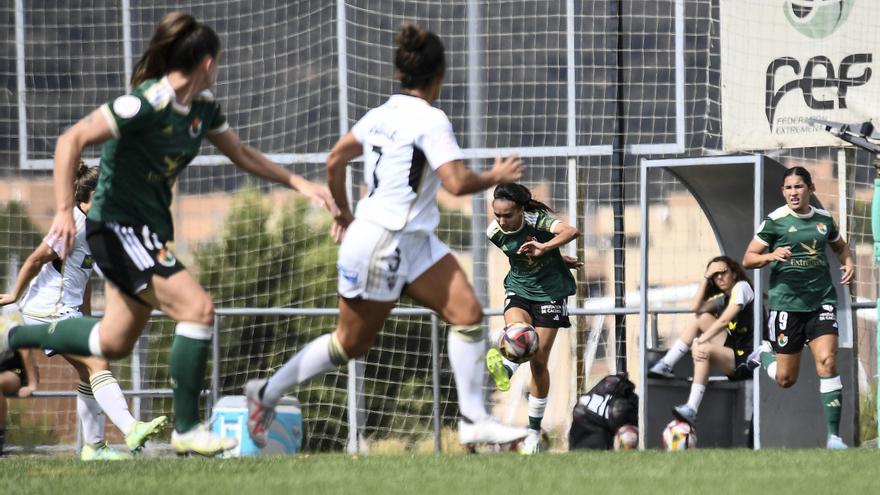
<point>792,229</point>
<point>834,403</point>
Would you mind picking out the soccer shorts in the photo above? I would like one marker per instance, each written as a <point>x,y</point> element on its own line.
<point>790,331</point>
<point>15,365</point>
<point>741,369</point>
<point>129,255</point>
<point>548,314</point>
<point>376,264</point>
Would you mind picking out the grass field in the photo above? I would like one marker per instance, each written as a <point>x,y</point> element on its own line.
<point>739,472</point>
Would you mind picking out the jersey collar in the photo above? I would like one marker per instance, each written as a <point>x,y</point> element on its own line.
<point>179,108</point>
<point>521,225</point>
<point>799,215</point>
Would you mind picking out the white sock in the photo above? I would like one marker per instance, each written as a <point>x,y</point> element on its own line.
<point>314,359</point>
<point>696,396</point>
<point>91,416</point>
<point>95,341</point>
<point>112,401</point>
<point>678,349</point>
<point>537,406</point>
<point>771,370</point>
<point>467,359</point>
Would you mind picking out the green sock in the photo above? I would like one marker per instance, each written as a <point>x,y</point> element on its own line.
<point>831,403</point>
<point>64,337</point>
<point>189,358</point>
<point>535,423</point>
<point>767,358</point>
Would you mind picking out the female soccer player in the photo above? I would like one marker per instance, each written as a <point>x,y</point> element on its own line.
<point>792,240</point>
<point>18,377</point>
<point>56,289</point>
<point>537,287</point>
<point>721,333</point>
<point>390,247</point>
<point>149,137</point>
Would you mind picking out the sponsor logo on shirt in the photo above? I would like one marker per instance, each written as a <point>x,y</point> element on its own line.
<point>88,262</point>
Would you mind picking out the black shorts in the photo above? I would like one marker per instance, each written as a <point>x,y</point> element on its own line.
<point>550,314</point>
<point>741,369</point>
<point>790,331</point>
<point>15,365</point>
<point>129,255</point>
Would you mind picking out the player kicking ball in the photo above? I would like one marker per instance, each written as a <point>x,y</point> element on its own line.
<point>537,287</point>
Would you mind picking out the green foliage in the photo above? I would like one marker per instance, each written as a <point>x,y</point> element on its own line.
<point>18,239</point>
<point>286,259</point>
<point>455,229</point>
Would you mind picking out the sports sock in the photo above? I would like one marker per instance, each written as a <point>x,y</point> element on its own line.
<point>109,396</point>
<point>696,396</point>
<point>467,360</point>
<point>69,336</point>
<point>537,406</point>
<point>771,370</point>
<point>768,361</point>
<point>831,394</point>
<point>314,359</point>
<point>679,348</point>
<point>91,416</point>
<point>509,366</point>
<point>188,360</point>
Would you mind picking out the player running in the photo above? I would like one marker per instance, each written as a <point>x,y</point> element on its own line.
<point>50,290</point>
<point>149,137</point>
<point>792,240</point>
<point>389,248</point>
<point>537,288</point>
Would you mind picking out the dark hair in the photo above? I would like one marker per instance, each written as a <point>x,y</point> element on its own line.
<point>179,43</point>
<point>85,182</point>
<point>521,196</point>
<point>800,172</point>
<point>419,57</point>
<point>738,272</point>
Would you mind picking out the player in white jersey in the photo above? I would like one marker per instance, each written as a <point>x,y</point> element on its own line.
<point>389,247</point>
<point>56,289</point>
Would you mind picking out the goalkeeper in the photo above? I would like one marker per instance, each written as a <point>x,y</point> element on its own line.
<point>537,287</point>
<point>149,137</point>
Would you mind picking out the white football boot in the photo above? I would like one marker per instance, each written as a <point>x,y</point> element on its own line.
<point>533,443</point>
<point>202,441</point>
<point>488,431</point>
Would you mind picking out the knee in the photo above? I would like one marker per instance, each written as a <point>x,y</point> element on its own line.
<point>352,344</point>
<point>116,349</point>
<point>203,312</point>
<point>467,316</point>
<point>827,365</point>
<point>785,381</point>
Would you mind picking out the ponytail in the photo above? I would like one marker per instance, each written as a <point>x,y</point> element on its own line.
<point>84,182</point>
<point>179,43</point>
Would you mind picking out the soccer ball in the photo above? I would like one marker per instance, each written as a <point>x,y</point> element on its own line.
<point>518,342</point>
<point>626,438</point>
<point>679,435</point>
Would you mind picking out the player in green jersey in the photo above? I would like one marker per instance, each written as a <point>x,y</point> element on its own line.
<point>149,136</point>
<point>537,286</point>
<point>792,240</point>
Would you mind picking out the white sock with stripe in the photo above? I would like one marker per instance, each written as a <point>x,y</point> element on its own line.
<point>109,396</point>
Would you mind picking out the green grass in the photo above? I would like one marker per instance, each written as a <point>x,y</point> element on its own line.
<point>740,472</point>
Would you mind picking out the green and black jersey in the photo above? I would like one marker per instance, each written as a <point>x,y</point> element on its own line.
<point>803,283</point>
<point>154,139</point>
<point>541,278</point>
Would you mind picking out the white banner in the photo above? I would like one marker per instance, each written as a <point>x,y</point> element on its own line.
<point>784,61</point>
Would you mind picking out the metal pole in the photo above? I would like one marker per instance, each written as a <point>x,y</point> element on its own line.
<point>21,87</point>
<point>643,304</point>
<point>573,213</point>
<point>435,381</point>
<point>475,140</point>
<point>617,200</point>
<point>215,361</point>
<point>126,44</point>
<point>758,322</point>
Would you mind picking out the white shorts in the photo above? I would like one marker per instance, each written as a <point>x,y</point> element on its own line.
<point>376,264</point>
<point>39,320</point>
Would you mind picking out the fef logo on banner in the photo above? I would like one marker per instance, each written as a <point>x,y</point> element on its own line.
<point>785,61</point>
<point>817,18</point>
